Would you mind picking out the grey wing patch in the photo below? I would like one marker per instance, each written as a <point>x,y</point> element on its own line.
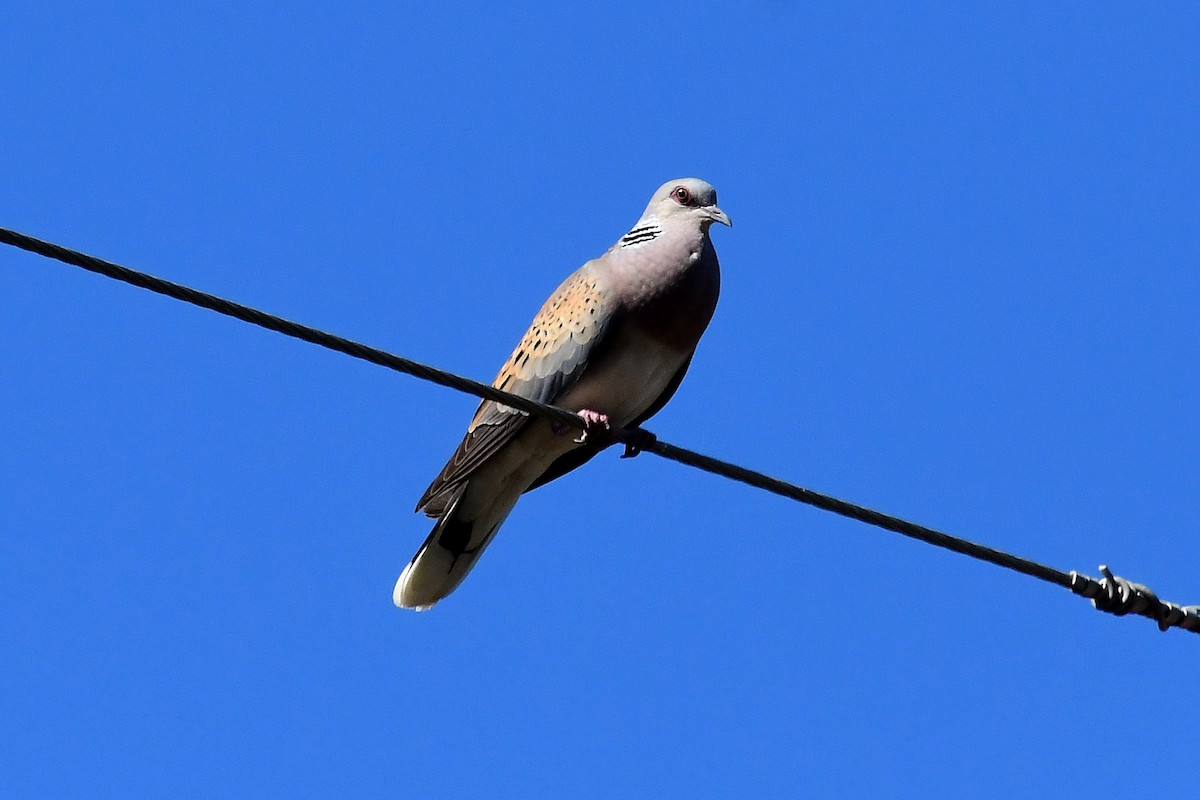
<point>665,397</point>
<point>563,339</point>
<point>581,455</point>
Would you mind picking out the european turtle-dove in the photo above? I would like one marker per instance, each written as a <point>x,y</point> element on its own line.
<point>612,343</point>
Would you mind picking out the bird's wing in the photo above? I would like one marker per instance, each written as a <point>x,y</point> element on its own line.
<point>565,337</point>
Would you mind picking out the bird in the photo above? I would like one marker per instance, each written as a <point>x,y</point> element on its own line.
<point>611,344</point>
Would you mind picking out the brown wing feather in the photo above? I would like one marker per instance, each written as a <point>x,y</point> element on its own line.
<point>560,343</point>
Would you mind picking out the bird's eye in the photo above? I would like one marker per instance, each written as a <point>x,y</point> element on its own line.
<point>682,195</point>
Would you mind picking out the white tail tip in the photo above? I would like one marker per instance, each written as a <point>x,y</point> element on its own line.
<point>398,592</point>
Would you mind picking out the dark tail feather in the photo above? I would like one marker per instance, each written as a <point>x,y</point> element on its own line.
<point>447,555</point>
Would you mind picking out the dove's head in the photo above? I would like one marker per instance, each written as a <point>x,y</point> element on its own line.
<point>686,199</point>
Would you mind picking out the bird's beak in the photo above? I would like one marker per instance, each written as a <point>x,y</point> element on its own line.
<point>717,215</point>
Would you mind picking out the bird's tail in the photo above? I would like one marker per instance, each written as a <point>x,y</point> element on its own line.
<point>453,547</point>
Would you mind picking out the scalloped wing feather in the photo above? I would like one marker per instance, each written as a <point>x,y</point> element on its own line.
<point>564,338</point>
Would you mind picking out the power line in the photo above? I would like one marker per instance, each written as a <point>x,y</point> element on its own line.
<point>1110,593</point>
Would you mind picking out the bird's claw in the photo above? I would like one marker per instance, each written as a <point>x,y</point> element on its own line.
<point>598,431</point>
<point>637,440</point>
<point>597,428</point>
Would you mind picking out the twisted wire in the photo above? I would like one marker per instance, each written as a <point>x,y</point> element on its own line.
<point>1110,594</point>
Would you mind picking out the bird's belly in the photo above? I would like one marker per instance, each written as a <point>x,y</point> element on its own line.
<point>628,382</point>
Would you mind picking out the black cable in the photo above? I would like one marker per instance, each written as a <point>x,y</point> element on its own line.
<point>1111,593</point>
<point>286,327</point>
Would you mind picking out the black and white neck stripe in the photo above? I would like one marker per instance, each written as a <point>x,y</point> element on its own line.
<point>641,234</point>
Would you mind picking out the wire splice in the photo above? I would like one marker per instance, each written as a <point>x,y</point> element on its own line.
<point>1112,594</point>
<point>1116,595</point>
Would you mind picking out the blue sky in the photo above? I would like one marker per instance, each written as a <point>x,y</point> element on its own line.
<point>961,287</point>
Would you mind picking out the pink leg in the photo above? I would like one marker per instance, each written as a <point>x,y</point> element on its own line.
<point>596,426</point>
<point>594,419</point>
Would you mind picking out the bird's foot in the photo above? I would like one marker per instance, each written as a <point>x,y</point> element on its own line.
<point>597,429</point>
<point>636,440</point>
